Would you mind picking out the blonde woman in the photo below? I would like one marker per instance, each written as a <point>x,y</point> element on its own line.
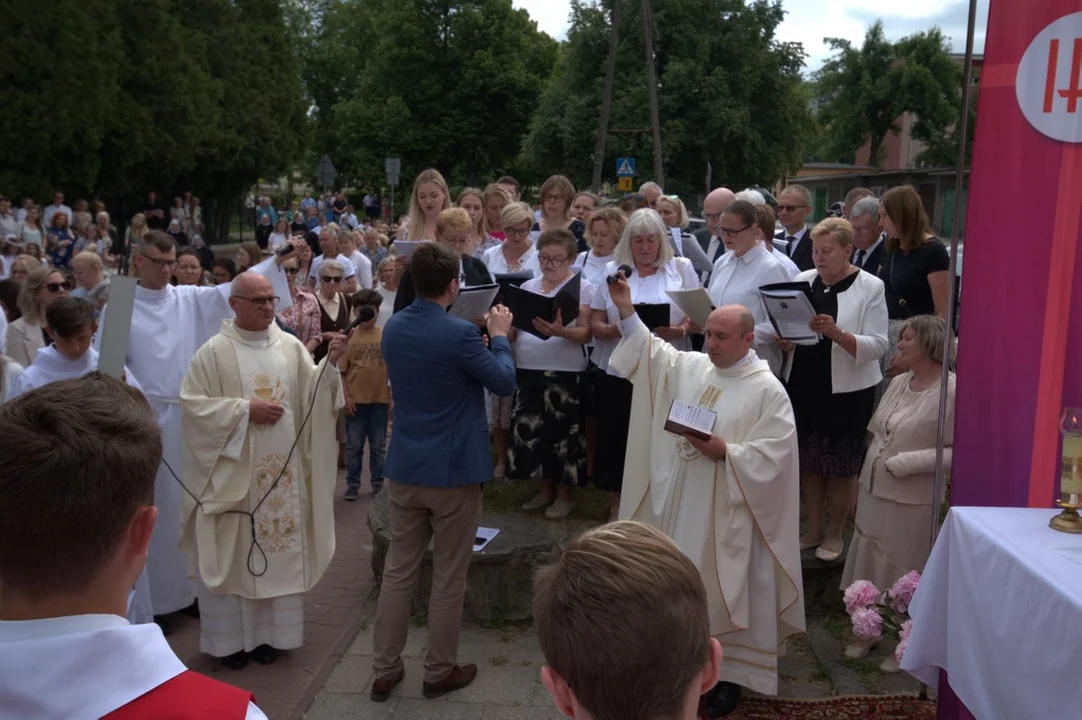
<point>517,252</point>
<point>134,234</point>
<point>584,206</point>
<point>494,198</point>
<point>22,266</point>
<point>26,336</point>
<point>557,194</point>
<point>430,197</point>
<point>602,233</point>
<point>472,201</point>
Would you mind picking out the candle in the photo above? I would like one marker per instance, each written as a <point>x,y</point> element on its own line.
<point>1071,482</point>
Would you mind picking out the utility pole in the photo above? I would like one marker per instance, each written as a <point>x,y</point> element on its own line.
<point>606,98</point>
<point>651,79</point>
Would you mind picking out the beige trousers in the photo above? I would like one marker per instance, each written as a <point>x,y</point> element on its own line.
<point>416,515</point>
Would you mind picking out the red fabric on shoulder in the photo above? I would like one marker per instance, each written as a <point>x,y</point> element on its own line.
<point>188,696</point>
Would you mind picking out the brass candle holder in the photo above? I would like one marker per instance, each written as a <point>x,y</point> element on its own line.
<point>1070,427</point>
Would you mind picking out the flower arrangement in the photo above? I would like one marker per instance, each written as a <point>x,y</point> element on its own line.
<point>872,610</point>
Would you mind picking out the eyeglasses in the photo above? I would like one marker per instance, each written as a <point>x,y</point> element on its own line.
<point>292,271</point>
<point>258,302</point>
<point>733,233</point>
<point>161,264</point>
<point>66,286</point>
<point>557,198</point>
<point>549,260</point>
<point>790,208</point>
<point>712,217</point>
<point>457,241</point>
<point>330,280</point>
<point>516,232</point>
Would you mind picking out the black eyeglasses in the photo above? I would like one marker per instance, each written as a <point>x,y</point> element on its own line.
<point>258,302</point>
<point>66,286</point>
<point>790,208</point>
<point>733,233</point>
<point>328,279</point>
<point>161,264</point>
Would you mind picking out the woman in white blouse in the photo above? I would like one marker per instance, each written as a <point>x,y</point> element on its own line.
<point>603,232</point>
<point>546,433</point>
<point>280,236</point>
<point>742,270</point>
<point>515,254</point>
<point>645,247</point>
<point>832,383</point>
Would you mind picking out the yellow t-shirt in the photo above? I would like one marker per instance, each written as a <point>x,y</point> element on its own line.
<point>363,368</point>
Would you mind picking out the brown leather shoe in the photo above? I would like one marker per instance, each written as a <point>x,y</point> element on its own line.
<point>382,687</point>
<point>457,679</point>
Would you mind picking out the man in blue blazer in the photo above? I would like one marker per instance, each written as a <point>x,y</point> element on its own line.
<point>439,457</point>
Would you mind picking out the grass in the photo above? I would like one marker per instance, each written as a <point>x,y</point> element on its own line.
<point>507,496</point>
<point>419,621</point>
<point>869,673</point>
<point>498,660</point>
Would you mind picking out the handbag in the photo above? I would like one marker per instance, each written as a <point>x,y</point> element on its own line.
<point>589,379</point>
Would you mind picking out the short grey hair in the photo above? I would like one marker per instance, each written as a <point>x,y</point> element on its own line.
<point>650,185</point>
<point>929,332</point>
<point>752,196</point>
<point>330,228</point>
<point>332,264</point>
<point>644,222</point>
<point>865,206</point>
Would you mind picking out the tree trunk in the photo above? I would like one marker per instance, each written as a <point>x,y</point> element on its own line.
<point>606,98</point>
<point>651,79</point>
<point>875,147</point>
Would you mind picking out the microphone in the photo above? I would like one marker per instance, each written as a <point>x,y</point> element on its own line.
<point>624,270</point>
<point>366,313</point>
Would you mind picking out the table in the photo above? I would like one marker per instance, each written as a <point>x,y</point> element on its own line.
<point>999,608</point>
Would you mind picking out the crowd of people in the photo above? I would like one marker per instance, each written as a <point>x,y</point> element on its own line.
<point>847,420</point>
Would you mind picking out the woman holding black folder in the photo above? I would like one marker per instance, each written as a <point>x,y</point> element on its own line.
<point>546,434</point>
<point>645,247</point>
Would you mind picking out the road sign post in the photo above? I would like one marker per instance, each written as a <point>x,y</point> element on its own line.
<point>393,166</point>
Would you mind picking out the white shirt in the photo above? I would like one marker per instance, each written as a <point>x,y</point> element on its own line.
<point>496,262</point>
<point>784,260</point>
<point>555,353</point>
<point>12,371</point>
<point>83,666</point>
<point>348,220</point>
<point>737,280</point>
<point>347,268</point>
<point>677,274</point>
<point>362,267</point>
<point>793,240</point>
<point>276,240</point>
<point>50,210</point>
<point>9,225</point>
<point>592,267</point>
<point>386,309</point>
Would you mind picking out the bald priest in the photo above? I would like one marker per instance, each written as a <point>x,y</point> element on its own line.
<point>721,481</point>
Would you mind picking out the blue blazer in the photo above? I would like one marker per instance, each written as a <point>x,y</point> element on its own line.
<point>439,367</point>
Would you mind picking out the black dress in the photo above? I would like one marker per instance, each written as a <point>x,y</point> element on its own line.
<point>832,429</point>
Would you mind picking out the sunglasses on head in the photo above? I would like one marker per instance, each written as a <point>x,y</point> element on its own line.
<point>57,287</point>
<point>328,279</point>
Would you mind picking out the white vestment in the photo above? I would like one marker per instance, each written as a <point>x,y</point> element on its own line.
<point>167,327</point>
<point>736,519</point>
<point>48,367</point>
<point>82,667</point>
<point>231,465</point>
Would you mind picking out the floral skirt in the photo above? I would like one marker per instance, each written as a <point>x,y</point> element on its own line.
<point>547,438</point>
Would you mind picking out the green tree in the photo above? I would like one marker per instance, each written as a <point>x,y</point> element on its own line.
<point>730,94</point>
<point>450,84</point>
<point>866,90</point>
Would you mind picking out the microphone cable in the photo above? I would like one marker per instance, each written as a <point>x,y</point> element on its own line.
<point>251,514</point>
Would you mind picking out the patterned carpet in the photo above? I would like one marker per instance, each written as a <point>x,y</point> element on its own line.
<point>862,707</point>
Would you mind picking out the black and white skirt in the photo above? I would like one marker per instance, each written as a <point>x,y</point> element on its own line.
<point>547,438</point>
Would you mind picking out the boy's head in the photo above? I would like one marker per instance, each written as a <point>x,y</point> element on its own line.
<point>371,300</point>
<point>71,324</point>
<point>76,497</point>
<point>622,621</point>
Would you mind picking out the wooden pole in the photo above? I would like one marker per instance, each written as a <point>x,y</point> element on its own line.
<point>606,98</point>
<point>651,79</point>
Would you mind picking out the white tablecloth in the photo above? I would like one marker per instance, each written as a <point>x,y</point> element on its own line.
<point>999,607</point>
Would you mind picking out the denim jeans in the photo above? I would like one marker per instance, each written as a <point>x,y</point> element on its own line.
<point>369,422</point>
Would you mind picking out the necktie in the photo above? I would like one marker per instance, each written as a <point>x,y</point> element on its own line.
<point>790,245</point>
<point>860,259</point>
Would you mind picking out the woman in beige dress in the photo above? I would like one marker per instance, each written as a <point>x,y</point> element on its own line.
<point>895,504</point>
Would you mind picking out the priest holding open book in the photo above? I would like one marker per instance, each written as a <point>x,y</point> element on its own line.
<point>712,462</point>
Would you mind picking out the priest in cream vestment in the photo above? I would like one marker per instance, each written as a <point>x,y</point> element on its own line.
<point>731,503</point>
<point>243,405</point>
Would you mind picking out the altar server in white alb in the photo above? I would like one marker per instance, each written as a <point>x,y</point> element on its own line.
<point>71,326</point>
<point>244,404</point>
<point>169,323</point>
<point>730,502</point>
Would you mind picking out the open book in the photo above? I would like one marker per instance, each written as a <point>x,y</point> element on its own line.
<point>526,305</point>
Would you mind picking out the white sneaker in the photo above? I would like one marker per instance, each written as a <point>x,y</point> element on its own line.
<point>859,648</point>
<point>537,503</point>
<point>890,664</point>
<point>559,510</point>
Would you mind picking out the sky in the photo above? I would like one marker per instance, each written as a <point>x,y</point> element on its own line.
<point>809,21</point>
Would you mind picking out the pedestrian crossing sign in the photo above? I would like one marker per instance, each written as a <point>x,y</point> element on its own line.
<point>625,167</point>
<point>625,184</point>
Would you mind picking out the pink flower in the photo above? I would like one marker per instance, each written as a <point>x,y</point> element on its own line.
<point>867,624</point>
<point>901,594</point>
<point>903,639</point>
<point>900,650</point>
<point>861,594</point>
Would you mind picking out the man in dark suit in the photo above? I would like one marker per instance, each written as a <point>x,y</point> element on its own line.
<point>867,236</point>
<point>794,206</point>
<point>713,206</point>
<point>439,457</point>
<point>453,230</point>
